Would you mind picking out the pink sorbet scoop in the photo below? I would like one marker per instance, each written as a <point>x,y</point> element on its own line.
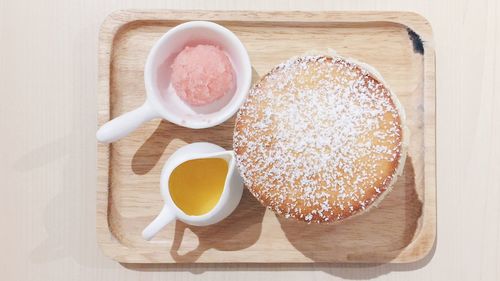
<point>202,74</point>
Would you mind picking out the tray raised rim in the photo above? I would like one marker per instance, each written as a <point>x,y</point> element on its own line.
<point>424,241</point>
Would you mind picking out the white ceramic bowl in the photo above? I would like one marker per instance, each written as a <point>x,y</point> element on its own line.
<point>162,101</point>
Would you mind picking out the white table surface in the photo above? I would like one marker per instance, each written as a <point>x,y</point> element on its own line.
<point>48,74</point>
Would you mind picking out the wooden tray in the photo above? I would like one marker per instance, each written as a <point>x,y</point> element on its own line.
<point>402,229</point>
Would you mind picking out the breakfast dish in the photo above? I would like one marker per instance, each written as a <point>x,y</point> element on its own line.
<point>320,139</point>
<point>401,230</point>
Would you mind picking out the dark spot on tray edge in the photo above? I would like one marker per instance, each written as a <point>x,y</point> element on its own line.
<point>418,44</point>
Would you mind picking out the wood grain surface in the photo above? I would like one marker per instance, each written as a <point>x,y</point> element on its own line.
<point>401,229</point>
<point>48,82</point>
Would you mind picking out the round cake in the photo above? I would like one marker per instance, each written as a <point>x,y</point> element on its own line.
<point>320,139</point>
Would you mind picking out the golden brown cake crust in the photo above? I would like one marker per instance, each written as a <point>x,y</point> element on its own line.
<point>319,139</point>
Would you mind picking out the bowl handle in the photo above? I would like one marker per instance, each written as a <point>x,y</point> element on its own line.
<point>124,124</point>
<point>165,217</point>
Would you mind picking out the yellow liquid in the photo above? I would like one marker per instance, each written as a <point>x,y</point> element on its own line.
<point>196,185</point>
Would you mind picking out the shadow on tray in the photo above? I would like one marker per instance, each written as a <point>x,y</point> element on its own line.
<point>381,234</point>
<point>238,231</point>
<point>388,228</point>
<point>148,155</point>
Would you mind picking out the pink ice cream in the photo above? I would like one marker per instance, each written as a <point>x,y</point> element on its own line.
<point>202,74</point>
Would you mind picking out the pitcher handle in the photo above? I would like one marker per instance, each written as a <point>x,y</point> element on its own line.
<point>165,217</point>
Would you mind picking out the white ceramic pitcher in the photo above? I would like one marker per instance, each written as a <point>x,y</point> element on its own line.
<point>229,199</point>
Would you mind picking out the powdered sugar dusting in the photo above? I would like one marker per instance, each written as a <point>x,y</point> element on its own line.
<point>319,139</point>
